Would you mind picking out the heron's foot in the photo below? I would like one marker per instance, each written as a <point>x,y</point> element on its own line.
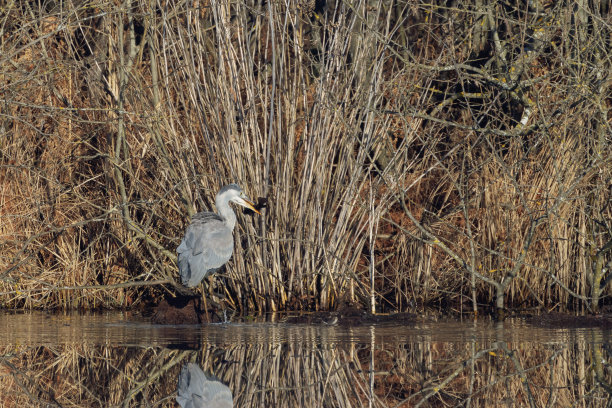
<point>228,315</point>
<point>185,291</point>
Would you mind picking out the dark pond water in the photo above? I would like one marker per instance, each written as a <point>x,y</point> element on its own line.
<point>119,359</point>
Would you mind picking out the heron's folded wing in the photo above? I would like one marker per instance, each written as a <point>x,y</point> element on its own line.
<point>213,238</point>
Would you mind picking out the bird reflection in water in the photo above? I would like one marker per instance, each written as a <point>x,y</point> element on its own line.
<point>196,389</point>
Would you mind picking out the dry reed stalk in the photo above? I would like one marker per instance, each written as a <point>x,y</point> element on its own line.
<point>322,142</point>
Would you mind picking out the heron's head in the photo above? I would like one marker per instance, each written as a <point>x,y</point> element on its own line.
<point>233,193</point>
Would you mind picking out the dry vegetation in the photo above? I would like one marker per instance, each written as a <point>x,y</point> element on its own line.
<point>413,153</point>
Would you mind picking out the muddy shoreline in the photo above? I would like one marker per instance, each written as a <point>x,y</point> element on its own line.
<point>191,310</point>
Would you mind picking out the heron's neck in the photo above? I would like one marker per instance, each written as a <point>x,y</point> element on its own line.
<point>226,212</point>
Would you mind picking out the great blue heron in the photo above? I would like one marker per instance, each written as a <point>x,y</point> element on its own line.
<point>198,390</point>
<point>208,243</point>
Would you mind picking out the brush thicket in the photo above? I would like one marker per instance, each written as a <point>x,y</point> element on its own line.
<point>409,148</point>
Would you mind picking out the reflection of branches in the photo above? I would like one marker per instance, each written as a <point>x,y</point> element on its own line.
<point>306,370</point>
<point>22,380</point>
<point>521,372</point>
<point>155,369</point>
<point>598,367</point>
<point>433,390</point>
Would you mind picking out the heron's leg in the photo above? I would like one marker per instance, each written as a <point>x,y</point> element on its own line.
<point>205,293</point>
<point>223,296</point>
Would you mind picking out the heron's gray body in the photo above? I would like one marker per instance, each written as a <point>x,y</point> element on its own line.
<point>198,390</point>
<point>208,243</point>
<point>196,256</point>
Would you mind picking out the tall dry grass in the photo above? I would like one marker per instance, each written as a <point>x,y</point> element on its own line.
<point>422,143</point>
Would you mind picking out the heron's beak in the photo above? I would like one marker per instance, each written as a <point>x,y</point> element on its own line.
<point>246,203</point>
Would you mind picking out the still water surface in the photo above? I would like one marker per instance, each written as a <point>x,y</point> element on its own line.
<point>120,359</point>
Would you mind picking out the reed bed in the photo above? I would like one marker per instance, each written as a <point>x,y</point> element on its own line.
<point>410,153</point>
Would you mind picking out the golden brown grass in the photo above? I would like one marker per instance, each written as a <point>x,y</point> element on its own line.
<point>474,162</point>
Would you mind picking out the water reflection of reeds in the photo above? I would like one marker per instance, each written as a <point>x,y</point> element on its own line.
<point>307,371</point>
